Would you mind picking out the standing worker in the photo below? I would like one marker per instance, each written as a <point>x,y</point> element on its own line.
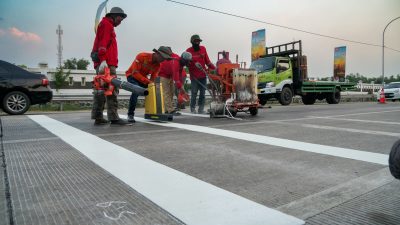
<point>105,54</point>
<point>145,64</point>
<point>197,76</point>
<point>172,71</point>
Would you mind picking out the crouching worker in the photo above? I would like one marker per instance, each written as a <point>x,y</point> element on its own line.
<point>171,72</point>
<point>105,54</point>
<point>144,65</point>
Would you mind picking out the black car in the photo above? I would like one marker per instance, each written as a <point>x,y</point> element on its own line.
<point>19,89</point>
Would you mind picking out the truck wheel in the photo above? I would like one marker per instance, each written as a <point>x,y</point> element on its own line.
<point>286,96</point>
<point>253,111</point>
<point>333,98</point>
<point>262,100</point>
<point>16,103</point>
<point>394,160</point>
<point>308,99</point>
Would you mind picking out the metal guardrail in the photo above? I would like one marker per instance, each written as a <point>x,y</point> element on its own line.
<point>368,87</point>
<point>124,95</point>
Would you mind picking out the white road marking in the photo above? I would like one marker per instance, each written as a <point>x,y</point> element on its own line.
<point>285,143</point>
<point>197,115</point>
<point>356,120</point>
<point>191,200</point>
<point>317,203</point>
<point>352,130</point>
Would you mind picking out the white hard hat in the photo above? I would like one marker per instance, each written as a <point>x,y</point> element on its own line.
<point>186,56</point>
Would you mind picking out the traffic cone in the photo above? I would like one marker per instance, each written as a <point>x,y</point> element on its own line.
<point>382,99</point>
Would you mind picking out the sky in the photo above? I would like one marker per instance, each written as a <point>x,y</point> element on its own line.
<point>28,30</point>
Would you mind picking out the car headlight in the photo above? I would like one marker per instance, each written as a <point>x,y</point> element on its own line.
<point>396,91</point>
<point>270,84</point>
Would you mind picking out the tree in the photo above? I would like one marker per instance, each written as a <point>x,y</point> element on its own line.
<point>355,78</point>
<point>23,66</point>
<point>74,64</point>
<point>70,64</point>
<point>82,64</point>
<point>60,78</point>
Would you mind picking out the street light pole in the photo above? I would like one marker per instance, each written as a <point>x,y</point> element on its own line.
<point>383,52</point>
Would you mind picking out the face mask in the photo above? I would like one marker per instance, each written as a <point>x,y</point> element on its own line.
<point>117,21</point>
<point>196,47</point>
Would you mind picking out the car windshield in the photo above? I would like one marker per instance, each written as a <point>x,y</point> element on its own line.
<point>392,85</point>
<point>263,64</point>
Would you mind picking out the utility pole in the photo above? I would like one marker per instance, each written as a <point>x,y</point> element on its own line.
<point>383,52</point>
<point>59,32</point>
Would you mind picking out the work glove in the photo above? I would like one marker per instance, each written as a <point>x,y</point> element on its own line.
<point>102,66</point>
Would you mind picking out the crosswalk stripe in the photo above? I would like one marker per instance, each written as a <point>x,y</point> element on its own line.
<point>285,143</point>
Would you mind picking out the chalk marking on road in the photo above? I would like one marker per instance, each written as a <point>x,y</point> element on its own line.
<point>352,130</point>
<point>365,113</point>
<point>373,132</point>
<point>122,204</point>
<point>356,120</point>
<point>189,199</point>
<point>285,143</point>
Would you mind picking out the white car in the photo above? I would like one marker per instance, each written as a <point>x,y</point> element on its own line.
<point>391,90</point>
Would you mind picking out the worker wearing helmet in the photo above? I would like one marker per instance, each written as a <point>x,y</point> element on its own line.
<point>172,72</point>
<point>197,76</point>
<point>145,64</point>
<point>105,54</point>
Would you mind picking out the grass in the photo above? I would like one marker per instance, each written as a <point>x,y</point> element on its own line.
<point>60,107</point>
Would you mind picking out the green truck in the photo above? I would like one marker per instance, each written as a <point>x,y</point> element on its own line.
<point>282,74</point>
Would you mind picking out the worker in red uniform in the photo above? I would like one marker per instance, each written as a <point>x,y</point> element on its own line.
<point>197,76</point>
<point>105,54</point>
<point>171,72</point>
<point>144,65</point>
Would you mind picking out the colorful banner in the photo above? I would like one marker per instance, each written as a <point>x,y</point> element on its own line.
<point>257,44</point>
<point>98,15</point>
<point>339,64</point>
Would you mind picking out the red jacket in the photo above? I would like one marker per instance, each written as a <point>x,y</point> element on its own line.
<point>200,56</point>
<point>105,43</point>
<point>172,69</point>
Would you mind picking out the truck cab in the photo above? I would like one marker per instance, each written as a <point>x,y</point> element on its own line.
<point>274,73</point>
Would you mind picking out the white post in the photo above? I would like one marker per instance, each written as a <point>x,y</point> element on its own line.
<point>373,86</point>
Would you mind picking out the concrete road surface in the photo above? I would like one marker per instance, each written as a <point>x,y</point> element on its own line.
<point>318,164</point>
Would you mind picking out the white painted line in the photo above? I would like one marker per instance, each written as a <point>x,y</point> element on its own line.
<point>317,203</point>
<point>303,146</point>
<point>189,199</point>
<point>196,115</point>
<point>352,130</point>
<point>356,120</point>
